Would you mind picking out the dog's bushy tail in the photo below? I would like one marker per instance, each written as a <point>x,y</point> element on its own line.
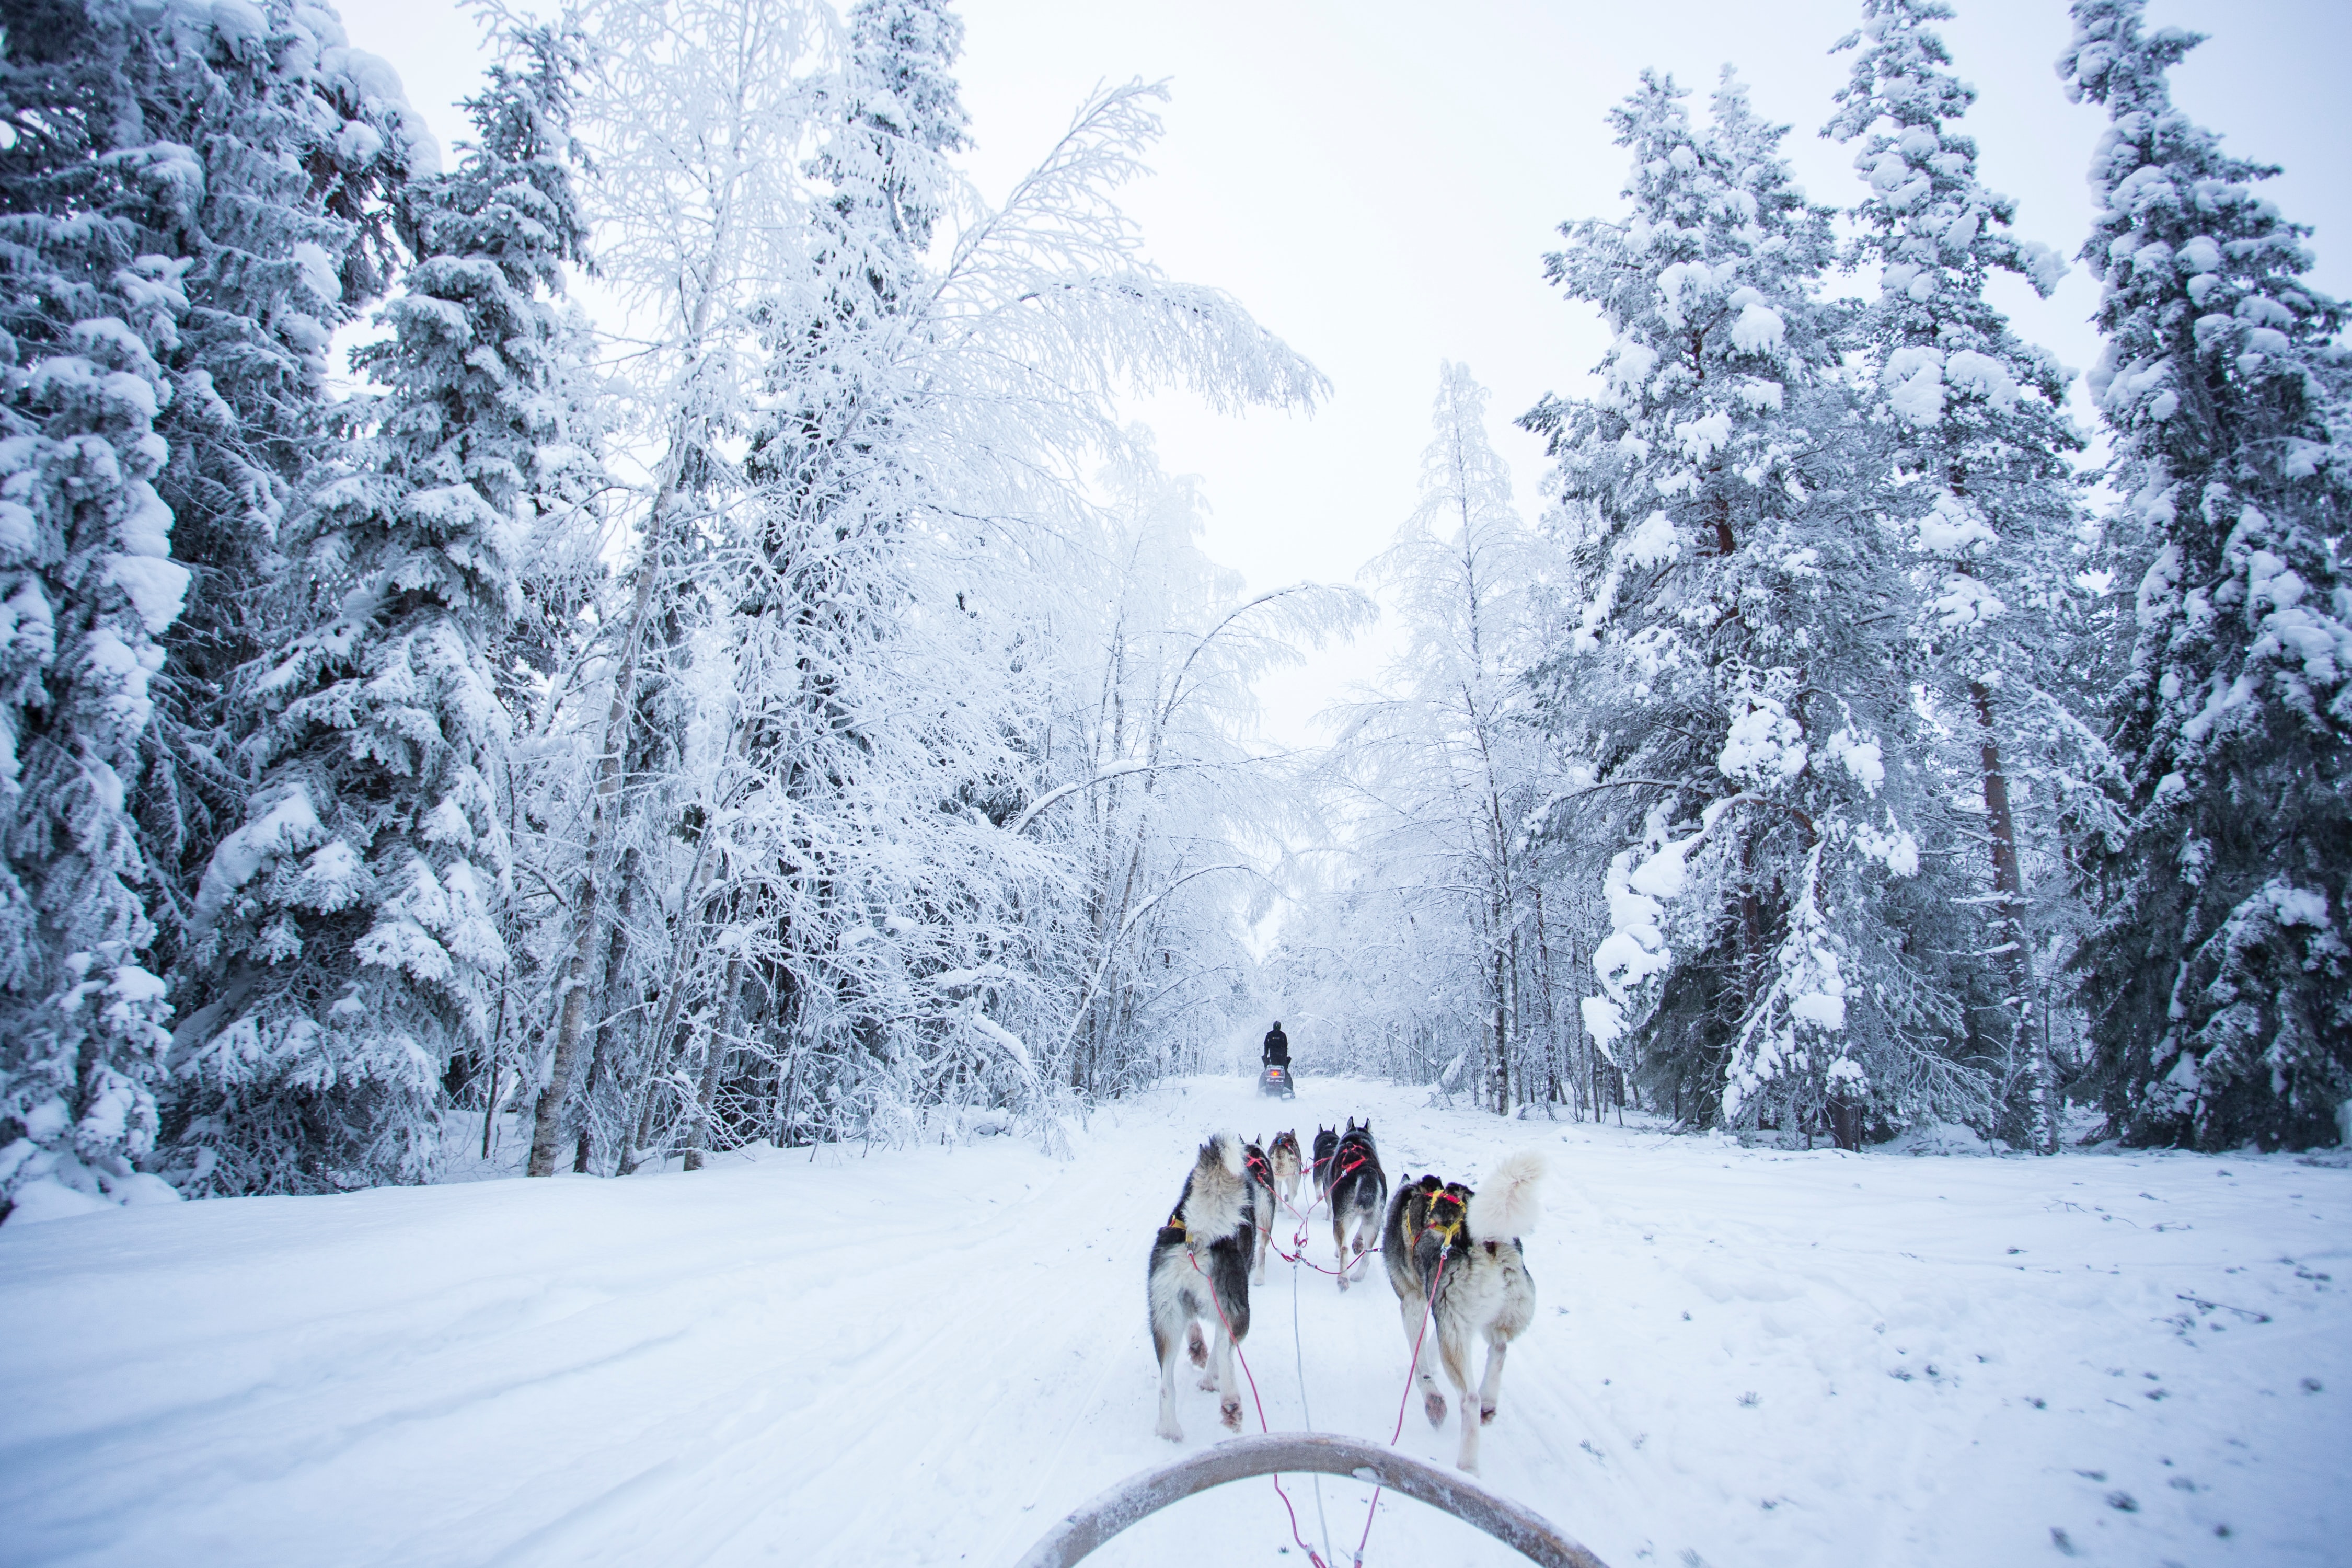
<point>1506,1203</point>
<point>1219,1195</point>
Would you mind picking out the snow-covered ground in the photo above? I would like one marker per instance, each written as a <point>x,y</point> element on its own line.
<point>1742,1357</point>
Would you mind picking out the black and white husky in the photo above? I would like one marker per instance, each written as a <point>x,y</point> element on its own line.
<point>1200,1275</point>
<point>1326,1144</point>
<point>1359,1192</point>
<point>1455,1255</point>
<point>1288,1166</point>
<point>1257,1174</point>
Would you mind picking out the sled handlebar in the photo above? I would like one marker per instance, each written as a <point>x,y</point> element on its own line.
<point>1139,1497</point>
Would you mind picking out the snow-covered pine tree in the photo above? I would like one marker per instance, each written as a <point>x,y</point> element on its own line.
<point>2218,976</point>
<point>90,310</point>
<point>1739,681</point>
<point>1985,496</point>
<point>350,928</point>
<point>298,139</point>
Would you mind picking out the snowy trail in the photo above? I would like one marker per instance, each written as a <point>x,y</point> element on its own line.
<point>1741,1356</point>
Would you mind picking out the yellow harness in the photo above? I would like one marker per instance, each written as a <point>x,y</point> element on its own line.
<point>1449,1231</point>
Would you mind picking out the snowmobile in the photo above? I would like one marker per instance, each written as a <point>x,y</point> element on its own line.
<point>1276,1079</point>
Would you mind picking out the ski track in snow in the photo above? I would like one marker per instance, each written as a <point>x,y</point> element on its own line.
<point>1741,1356</point>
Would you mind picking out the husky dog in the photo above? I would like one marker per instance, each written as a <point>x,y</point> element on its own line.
<point>1200,1272</point>
<point>1327,1143</point>
<point>1257,1174</point>
<point>1359,1191</point>
<point>1455,1255</point>
<point>1288,1166</point>
<point>1424,1222</point>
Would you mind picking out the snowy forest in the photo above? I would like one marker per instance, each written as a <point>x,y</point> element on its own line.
<point>653,629</point>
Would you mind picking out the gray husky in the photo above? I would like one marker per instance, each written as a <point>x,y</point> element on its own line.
<point>1258,1177</point>
<point>1288,1167</point>
<point>1359,1191</point>
<point>1456,1256</point>
<point>1200,1274</point>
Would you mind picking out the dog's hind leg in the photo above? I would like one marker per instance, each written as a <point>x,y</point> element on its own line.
<point>1228,1399</point>
<point>1491,1386</point>
<point>1164,1342</point>
<point>1424,1372</point>
<point>1196,1343</point>
<point>1456,1357</point>
<point>1339,1259</point>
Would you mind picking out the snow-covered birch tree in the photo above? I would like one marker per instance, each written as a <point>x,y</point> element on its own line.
<point>905,396</point>
<point>696,112</point>
<point>1168,814</point>
<point>1447,763</point>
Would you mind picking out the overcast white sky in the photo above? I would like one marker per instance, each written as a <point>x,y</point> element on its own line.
<point>1377,181</point>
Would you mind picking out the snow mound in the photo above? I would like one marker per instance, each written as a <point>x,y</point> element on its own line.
<point>1941,1138</point>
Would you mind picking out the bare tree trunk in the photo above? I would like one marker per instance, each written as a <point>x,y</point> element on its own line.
<point>706,1103</point>
<point>641,1127</point>
<point>2008,885</point>
<point>616,955</point>
<point>782,1136</point>
<point>490,1109</point>
<point>1551,1011</point>
<point>1498,1077</point>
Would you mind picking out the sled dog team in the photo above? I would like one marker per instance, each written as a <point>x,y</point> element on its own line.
<point>1451,1254</point>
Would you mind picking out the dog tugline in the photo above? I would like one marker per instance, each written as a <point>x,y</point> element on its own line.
<point>1274,1062</point>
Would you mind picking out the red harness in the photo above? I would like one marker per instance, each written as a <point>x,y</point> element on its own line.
<point>1361,1158</point>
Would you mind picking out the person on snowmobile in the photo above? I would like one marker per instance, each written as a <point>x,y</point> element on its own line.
<point>1278,1047</point>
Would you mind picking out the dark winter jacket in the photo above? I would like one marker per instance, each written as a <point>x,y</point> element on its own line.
<point>1277,1048</point>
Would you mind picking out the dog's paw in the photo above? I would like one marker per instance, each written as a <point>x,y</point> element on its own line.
<point>1486,1416</point>
<point>1434,1406</point>
<point>1208,1382</point>
<point>1170,1430</point>
<point>1196,1346</point>
<point>1228,1411</point>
